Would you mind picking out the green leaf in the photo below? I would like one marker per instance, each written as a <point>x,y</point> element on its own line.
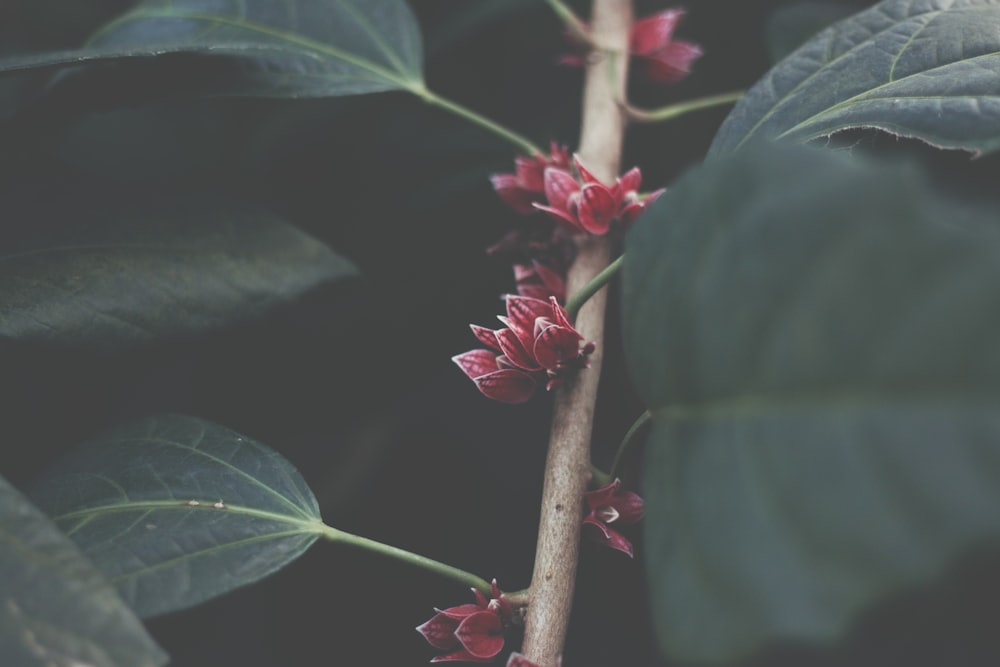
<point>285,48</point>
<point>789,26</point>
<point>58,610</point>
<point>135,276</point>
<point>816,338</point>
<point>914,68</point>
<point>176,510</point>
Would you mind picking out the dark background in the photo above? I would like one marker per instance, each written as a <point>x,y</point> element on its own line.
<point>352,382</point>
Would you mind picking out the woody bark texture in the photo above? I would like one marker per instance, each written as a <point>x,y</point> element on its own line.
<point>567,468</point>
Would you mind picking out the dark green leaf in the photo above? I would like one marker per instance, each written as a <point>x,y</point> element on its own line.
<point>789,26</point>
<point>57,609</point>
<point>136,276</point>
<point>817,340</point>
<point>286,48</point>
<point>914,68</point>
<point>176,510</point>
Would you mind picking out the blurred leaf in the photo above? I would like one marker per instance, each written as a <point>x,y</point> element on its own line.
<point>914,68</point>
<point>176,510</point>
<point>286,48</point>
<point>58,610</point>
<point>818,341</point>
<point>173,270</point>
<point>789,26</point>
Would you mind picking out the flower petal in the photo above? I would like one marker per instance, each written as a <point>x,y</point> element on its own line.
<point>559,186</point>
<point>487,337</point>
<point>672,63</point>
<point>602,496</point>
<point>531,173</point>
<point>555,346</point>
<point>515,351</point>
<point>631,180</point>
<point>608,537</point>
<point>522,311</point>
<point>440,631</point>
<point>476,363</point>
<point>629,506</point>
<point>510,190</point>
<point>654,32</point>
<point>507,385</point>
<point>585,174</point>
<point>566,220</point>
<point>481,634</point>
<point>597,208</point>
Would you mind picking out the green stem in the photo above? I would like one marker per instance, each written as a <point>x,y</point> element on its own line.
<point>591,288</point>
<point>482,121</point>
<point>681,108</point>
<point>447,571</point>
<point>627,442</point>
<point>572,21</point>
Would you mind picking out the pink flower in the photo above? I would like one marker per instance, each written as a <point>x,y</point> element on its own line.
<point>471,632</point>
<point>526,185</point>
<point>607,505</point>
<point>589,206</point>
<point>663,59</point>
<point>537,343</point>
<point>518,660</point>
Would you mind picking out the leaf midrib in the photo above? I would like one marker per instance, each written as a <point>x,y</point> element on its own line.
<point>90,513</point>
<point>297,39</point>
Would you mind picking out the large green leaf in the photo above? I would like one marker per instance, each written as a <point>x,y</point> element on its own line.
<point>285,48</point>
<point>57,609</point>
<point>139,275</point>
<point>789,26</point>
<point>916,68</point>
<point>817,339</point>
<point>176,510</point>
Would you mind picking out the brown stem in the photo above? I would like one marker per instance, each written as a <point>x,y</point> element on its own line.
<point>567,468</point>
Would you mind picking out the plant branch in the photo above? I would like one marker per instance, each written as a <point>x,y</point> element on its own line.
<point>567,467</point>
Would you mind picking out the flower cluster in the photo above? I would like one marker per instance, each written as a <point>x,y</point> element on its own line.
<point>537,343</point>
<point>607,505</point>
<point>586,205</point>
<point>661,58</point>
<point>526,185</point>
<point>470,632</point>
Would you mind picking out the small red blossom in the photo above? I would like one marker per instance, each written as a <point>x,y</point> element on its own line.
<point>527,184</point>
<point>586,205</point>
<point>607,505</point>
<point>471,632</point>
<point>661,58</point>
<point>537,344</point>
